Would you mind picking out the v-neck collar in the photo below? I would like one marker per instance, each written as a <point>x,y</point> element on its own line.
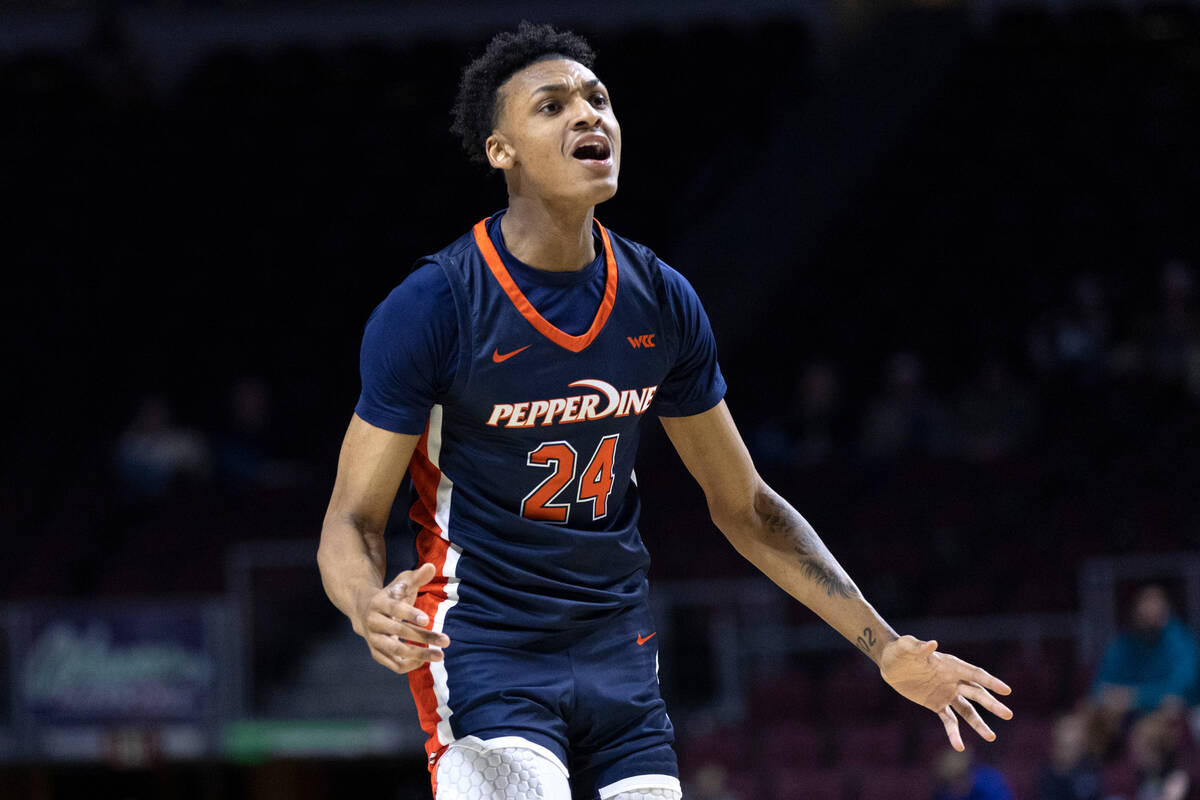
<point>565,340</point>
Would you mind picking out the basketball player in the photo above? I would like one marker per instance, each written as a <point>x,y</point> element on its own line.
<point>509,374</point>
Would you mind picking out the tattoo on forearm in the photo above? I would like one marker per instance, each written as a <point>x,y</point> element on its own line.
<point>818,564</point>
<point>866,641</point>
<point>826,578</point>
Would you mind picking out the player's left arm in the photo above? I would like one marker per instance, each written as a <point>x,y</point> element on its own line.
<point>768,532</point>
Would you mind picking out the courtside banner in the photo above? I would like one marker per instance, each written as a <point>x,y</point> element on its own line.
<point>119,663</point>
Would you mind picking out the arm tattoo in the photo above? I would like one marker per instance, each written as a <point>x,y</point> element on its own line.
<point>866,641</point>
<point>817,563</point>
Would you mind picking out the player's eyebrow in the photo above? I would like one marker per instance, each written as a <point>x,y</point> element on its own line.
<point>562,87</point>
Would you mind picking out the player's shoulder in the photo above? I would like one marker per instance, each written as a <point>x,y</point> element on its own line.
<point>671,286</point>
<point>428,279</point>
<point>632,252</point>
<point>424,290</point>
<point>464,247</point>
<point>644,256</point>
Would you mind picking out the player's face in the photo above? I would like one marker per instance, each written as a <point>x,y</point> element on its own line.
<point>556,136</point>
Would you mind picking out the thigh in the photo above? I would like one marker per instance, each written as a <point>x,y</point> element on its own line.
<point>620,734</point>
<point>501,696</point>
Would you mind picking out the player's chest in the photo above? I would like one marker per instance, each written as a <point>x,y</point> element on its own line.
<point>521,380</point>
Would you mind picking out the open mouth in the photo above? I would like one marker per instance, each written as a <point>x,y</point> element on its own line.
<point>592,151</point>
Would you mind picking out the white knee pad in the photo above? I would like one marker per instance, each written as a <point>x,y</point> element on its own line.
<point>650,794</point>
<point>500,769</point>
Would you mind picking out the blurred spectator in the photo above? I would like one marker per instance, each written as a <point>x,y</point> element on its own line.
<point>996,414</point>
<point>818,409</point>
<point>247,449</point>
<point>815,426</point>
<point>710,783</point>
<point>905,418</point>
<point>154,454</point>
<point>1174,333</point>
<point>1155,662</point>
<point>961,777</point>
<point>1167,343</point>
<point>1073,341</point>
<point>1156,751</point>
<point>1074,770</point>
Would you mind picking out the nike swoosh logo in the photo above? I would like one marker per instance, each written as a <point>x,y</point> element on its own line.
<point>643,640</point>
<point>498,358</point>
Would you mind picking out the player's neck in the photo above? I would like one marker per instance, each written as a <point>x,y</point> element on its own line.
<point>549,238</point>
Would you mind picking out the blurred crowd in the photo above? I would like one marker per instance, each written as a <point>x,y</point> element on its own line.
<point>156,455</point>
<point>1129,729</point>
<point>1074,352</point>
<point>996,374</point>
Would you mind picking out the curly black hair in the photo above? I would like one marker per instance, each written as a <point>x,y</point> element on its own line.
<point>507,53</point>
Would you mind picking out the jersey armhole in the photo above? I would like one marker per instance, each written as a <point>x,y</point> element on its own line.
<point>466,342</point>
<point>666,310</point>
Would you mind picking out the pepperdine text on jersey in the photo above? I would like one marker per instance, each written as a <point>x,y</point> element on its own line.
<point>579,408</point>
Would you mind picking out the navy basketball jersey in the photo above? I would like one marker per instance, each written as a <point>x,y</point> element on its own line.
<point>525,497</point>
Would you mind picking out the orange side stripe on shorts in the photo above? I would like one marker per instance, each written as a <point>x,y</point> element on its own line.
<point>431,547</point>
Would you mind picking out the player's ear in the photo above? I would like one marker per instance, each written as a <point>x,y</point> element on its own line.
<point>500,153</point>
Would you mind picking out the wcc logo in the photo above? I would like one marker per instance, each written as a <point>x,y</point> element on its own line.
<point>645,340</point>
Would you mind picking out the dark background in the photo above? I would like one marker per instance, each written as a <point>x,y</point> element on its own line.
<point>948,251</point>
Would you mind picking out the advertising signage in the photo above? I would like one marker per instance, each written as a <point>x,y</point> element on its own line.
<point>127,663</point>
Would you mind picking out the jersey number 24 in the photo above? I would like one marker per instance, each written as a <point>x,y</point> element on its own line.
<point>594,484</point>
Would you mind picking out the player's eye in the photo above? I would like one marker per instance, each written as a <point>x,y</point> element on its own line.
<point>548,108</point>
<point>600,100</point>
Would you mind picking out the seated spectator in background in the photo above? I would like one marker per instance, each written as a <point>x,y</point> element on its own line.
<point>1173,333</point>
<point>1157,751</point>
<point>818,410</point>
<point>1166,343</point>
<point>1154,663</point>
<point>1073,341</point>
<point>154,453</point>
<point>248,446</point>
<point>1074,770</point>
<point>709,783</point>
<point>961,777</point>
<point>816,424</point>
<point>905,418</point>
<point>996,414</point>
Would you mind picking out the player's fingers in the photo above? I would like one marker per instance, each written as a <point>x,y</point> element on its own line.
<point>950,723</point>
<point>398,609</point>
<point>973,674</point>
<point>969,713</point>
<point>381,623</point>
<point>400,650</point>
<point>980,695</point>
<point>400,668</point>
<point>410,580</point>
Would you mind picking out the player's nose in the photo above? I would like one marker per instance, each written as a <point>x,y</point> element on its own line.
<point>584,115</point>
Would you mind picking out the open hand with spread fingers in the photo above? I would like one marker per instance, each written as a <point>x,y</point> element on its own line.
<point>944,684</point>
<point>395,629</point>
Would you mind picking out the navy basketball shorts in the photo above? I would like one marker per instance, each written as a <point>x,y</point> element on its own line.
<point>588,699</point>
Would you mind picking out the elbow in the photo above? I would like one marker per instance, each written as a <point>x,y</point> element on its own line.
<point>749,517</point>
<point>738,516</point>
<point>323,556</point>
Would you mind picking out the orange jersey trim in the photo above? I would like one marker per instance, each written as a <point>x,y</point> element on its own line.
<point>565,340</point>
<point>431,547</point>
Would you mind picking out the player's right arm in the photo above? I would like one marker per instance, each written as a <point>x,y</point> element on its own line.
<point>352,556</point>
<point>407,357</point>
